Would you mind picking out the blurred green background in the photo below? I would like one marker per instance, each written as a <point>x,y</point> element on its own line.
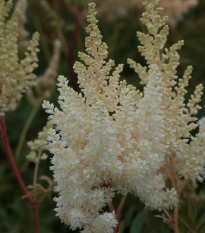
<point>120,35</point>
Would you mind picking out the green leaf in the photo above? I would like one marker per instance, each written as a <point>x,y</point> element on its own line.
<point>185,224</point>
<point>138,223</point>
<point>129,213</point>
<point>122,226</point>
<point>201,221</point>
<point>43,230</point>
<point>202,230</point>
<point>192,213</point>
<point>3,213</point>
<point>14,230</point>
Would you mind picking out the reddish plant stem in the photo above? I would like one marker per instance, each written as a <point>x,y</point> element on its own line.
<point>170,219</point>
<point>111,207</point>
<point>117,212</point>
<point>70,51</point>
<point>176,214</point>
<point>34,204</point>
<point>35,219</point>
<point>11,160</point>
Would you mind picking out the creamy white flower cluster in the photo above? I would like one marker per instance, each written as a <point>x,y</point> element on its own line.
<point>39,146</point>
<point>16,75</point>
<point>113,138</point>
<point>23,42</point>
<point>180,119</point>
<point>46,83</point>
<point>106,139</point>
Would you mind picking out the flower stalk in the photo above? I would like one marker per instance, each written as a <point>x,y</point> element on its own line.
<point>33,202</point>
<point>118,213</point>
<point>136,141</point>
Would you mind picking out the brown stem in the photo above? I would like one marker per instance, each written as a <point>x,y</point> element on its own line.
<point>11,159</point>
<point>171,220</point>
<point>35,219</point>
<point>117,212</point>
<point>70,51</point>
<point>34,204</point>
<point>42,198</point>
<point>176,213</point>
<point>111,207</point>
<point>120,207</point>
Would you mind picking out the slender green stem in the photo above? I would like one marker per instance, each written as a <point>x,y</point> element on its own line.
<point>44,43</point>
<point>24,132</point>
<point>36,168</point>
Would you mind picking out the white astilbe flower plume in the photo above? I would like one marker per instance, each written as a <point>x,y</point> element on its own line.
<point>184,153</point>
<point>16,76</point>
<point>109,138</point>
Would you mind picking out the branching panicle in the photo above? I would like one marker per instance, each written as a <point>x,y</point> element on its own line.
<point>16,76</point>
<point>113,134</point>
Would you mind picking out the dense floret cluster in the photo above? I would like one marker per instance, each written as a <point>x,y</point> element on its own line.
<point>16,76</point>
<point>113,138</point>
